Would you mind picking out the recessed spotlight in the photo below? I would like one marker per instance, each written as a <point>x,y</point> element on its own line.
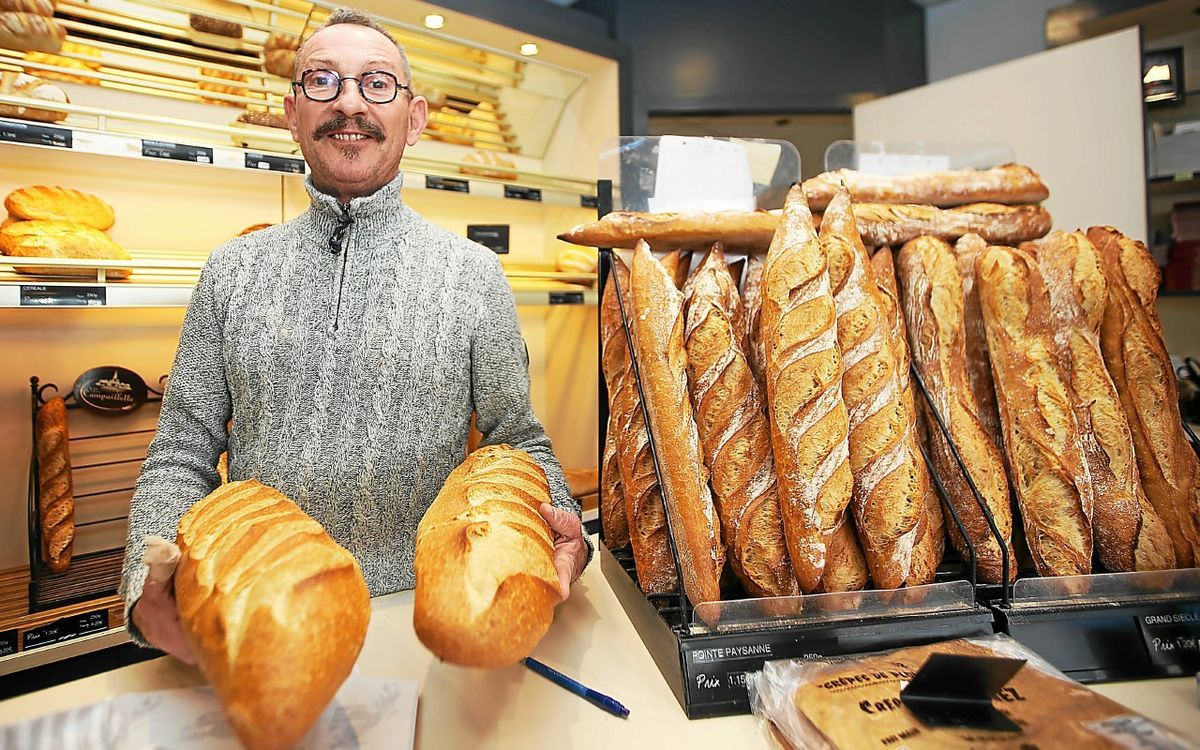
<point>529,49</point>
<point>434,21</point>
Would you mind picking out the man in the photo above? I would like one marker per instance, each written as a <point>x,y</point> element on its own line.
<point>348,346</point>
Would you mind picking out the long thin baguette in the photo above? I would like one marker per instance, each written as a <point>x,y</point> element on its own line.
<point>732,420</point>
<point>929,544</point>
<point>1128,534</point>
<point>809,422</point>
<point>662,363</point>
<point>643,498</point>
<point>694,230</point>
<point>1041,433</point>
<point>886,224</point>
<point>883,451</point>
<point>612,493</point>
<point>979,368</point>
<point>752,297</point>
<point>932,301</point>
<point>1132,343</point>
<point>1007,183</point>
<point>56,495</point>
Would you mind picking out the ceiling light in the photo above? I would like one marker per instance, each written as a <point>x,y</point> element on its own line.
<point>529,49</point>
<point>434,21</point>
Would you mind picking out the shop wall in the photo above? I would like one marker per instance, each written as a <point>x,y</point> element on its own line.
<point>966,35</point>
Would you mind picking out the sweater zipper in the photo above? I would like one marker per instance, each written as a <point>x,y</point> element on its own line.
<point>342,244</point>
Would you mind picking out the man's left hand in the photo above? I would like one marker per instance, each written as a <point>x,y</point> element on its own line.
<point>570,550</point>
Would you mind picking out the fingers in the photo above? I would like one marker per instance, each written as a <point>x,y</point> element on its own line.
<point>562,523</point>
<point>156,616</point>
<point>562,563</point>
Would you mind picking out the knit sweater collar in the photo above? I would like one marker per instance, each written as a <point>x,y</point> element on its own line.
<point>376,215</point>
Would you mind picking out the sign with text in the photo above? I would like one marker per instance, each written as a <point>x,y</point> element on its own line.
<point>65,629</point>
<point>110,390</point>
<point>176,151</point>
<point>48,295</point>
<point>433,182</point>
<point>8,642</point>
<point>522,193</point>
<point>492,236</point>
<point>566,298</point>
<point>1171,640</point>
<point>37,135</point>
<point>272,163</point>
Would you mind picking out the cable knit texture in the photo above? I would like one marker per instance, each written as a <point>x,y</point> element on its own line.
<point>352,395</point>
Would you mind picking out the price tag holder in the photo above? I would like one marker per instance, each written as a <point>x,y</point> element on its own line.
<point>65,629</point>
<point>8,642</point>
<point>177,151</point>
<point>492,236</point>
<point>271,163</point>
<point>38,295</point>
<point>522,193</point>
<point>37,135</point>
<point>432,182</point>
<point>566,298</point>
<point>1171,639</point>
<point>589,201</point>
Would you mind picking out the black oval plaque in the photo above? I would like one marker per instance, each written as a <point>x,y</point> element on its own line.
<point>110,390</point>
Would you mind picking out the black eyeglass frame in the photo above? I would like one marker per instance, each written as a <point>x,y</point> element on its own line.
<point>337,93</point>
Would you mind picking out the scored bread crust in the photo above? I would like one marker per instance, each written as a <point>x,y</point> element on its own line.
<point>1042,435</point>
<point>694,230</point>
<point>979,367</point>
<point>260,584</point>
<point>888,224</point>
<point>612,497</point>
<point>1007,183</point>
<point>53,203</point>
<point>56,496</point>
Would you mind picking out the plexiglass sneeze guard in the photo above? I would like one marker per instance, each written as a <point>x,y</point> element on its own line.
<point>895,158</point>
<point>1108,588</point>
<point>680,173</point>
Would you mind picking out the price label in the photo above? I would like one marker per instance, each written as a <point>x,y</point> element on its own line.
<point>65,629</point>
<point>176,151</point>
<point>1171,640</point>
<point>522,193</point>
<point>12,131</point>
<point>8,642</point>
<point>589,201</point>
<point>566,298</point>
<point>491,236</point>
<point>271,163</point>
<point>38,295</point>
<point>447,183</point>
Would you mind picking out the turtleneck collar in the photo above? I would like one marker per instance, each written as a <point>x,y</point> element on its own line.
<point>372,215</point>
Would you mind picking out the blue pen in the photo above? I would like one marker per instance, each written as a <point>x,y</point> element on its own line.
<point>560,679</point>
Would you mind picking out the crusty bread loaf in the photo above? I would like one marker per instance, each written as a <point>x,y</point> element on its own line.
<point>36,7</point>
<point>576,260</point>
<point>752,296</point>
<point>726,287</point>
<point>30,32</point>
<point>883,452</point>
<point>644,511</point>
<point>929,542</point>
<point>59,60</point>
<point>1127,533</point>
<point>56,497</point>
<point>612,498</point>
<point>1137,359</point>
<point>31,87</point>
<point>218,26</point>
<point>809,423</point>
<point>486,582</point>
<point>662,362</point>
<point>731,417</point>
<point>932,303</point>
<point>1041,432</point>
<point>667,231</point>
<point>279,54</point>
<point>60,239</point>
<point>1007,183</point>
<point>54,203</point>
<point>643,496</point>
<point>886,224</point>
<point>979,368</point>
<point>274,610</point>
<point>263,118</point>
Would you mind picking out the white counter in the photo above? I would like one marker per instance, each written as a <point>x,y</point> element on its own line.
<point>591,640</point>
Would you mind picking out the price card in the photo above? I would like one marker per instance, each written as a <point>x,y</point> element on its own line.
<point>53,295</point>
<point>893,165</point>
<point>272,163</point>
<point>492,236</point>
<point>13,131</point>
<point>589,201</point>
<point>65,629</point>
<point>522,193</point>
<point>1171,639</point>
<point>177,151</point>
<point>566,298</point>
<point>8,642</point>
<point>433,182</point>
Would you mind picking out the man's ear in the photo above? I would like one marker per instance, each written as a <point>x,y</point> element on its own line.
<point>289,112</point>
<point>418,117</point>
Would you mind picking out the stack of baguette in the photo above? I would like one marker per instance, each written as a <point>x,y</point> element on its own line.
<point>57,222</point>
<point>1043,362</point>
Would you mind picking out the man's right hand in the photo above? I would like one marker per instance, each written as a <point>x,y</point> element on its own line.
<point>157,617</point>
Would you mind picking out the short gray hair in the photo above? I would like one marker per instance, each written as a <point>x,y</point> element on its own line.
<point>357,17</point>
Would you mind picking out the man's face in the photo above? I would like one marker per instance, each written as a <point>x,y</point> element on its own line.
<point>353,146</point>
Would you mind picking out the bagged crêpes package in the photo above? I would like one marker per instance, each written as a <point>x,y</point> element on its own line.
<point>854,704</point>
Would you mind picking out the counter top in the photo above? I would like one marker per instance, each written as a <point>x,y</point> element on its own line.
<point>591,640</point>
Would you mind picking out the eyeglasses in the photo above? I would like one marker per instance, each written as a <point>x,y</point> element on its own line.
<point>376,86</point>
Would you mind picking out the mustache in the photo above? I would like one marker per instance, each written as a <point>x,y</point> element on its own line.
<point>339,123</point>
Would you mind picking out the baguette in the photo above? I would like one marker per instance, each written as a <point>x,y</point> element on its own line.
<point>30,32</point>
<point>218,26</point>
<point>614,363</point>
<point>1041,433</point>
<point>883,451</point>
<point>728,298</point>
<point>932,302</point>
<point>662,361</point>
<point>644,507</point>
<point>53,203</point>
<point>34,88</point>
<point>884,224</point>
<point>612,499</point>
<point>56,496</point>
<point>752,319</point>
<point>809,423</point>
<point>1127,533</point>
<point>1132,344</point>
<point>694,230</point>
<point>60,239</point>
<point>732,421</point>
<point>36,7</point>
<point>677,263</point>
<point>979,367</point>
<point>929,542</point>
<point>1007,183</point>
<point>274,610</point>
<point>484,562</point>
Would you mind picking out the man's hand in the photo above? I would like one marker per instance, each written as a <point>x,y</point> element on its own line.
<point>156,615</point>
<point>570,550</point>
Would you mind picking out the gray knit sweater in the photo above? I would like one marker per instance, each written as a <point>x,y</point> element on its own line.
<point>350,379</point>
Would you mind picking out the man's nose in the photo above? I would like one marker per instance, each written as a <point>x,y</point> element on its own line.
<point>351,101</point>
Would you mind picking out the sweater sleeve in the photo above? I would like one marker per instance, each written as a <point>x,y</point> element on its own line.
<point>500,386</point>
<point>180,465</point>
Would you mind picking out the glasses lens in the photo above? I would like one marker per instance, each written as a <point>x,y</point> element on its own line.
<point>379,87</point>
<point>321,85</point>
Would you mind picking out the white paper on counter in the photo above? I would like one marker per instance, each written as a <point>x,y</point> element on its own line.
<point>366,713</point>
<point>702,174</point>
